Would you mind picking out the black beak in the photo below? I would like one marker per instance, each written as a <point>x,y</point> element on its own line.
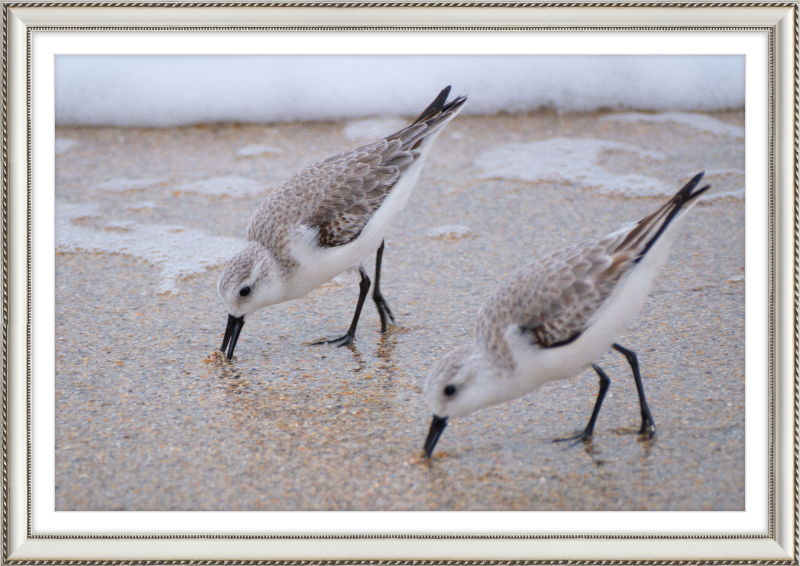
<point>437,426</point>
<point>232,334</point>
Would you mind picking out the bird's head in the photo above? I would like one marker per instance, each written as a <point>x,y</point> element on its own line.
<point>247,283</point>
<point>460,383</point>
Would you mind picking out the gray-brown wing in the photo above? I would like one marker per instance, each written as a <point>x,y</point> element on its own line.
<point>337,197</point>
<point>574,287</point>
<point>555,298</point>
<point>360,180</point>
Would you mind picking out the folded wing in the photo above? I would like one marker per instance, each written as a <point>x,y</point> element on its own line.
<point>555,298</point>
<point>357,182</point>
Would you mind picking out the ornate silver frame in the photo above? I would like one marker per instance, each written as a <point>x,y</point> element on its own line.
<point>781,19</point>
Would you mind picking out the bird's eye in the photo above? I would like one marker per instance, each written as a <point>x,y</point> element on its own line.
<point>450,390</point>
<point>244,291</point>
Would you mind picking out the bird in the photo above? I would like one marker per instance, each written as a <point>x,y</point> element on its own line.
<point>556,317</point>
<point>326,219</point>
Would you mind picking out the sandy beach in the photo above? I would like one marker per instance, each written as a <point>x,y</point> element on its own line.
<point>147,419</point>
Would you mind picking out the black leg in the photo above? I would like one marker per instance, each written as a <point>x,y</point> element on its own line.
<point>648,424</point>
<point>587,433</point>
<point>351,334</point>
<point>383,309</point>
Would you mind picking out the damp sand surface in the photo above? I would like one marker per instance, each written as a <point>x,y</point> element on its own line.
<point>147,419</point>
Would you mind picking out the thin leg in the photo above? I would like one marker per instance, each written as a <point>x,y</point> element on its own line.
<point>383,309</point>
<point>648,424</point>
<point>351,334</point>
<point>587,433</point>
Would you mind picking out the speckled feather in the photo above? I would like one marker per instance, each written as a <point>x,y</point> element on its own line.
<point>339,195</point>
<point>555,298</point>
<point>556,317</point>
<point>329,217</point>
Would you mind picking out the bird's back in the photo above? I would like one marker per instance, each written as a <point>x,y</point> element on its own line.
<point>556,298</point>
<point>339,195</point>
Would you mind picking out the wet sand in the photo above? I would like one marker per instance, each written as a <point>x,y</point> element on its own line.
<point>146,420</point>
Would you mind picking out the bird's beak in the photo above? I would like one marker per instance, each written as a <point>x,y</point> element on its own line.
<point>437,426</point>
<point>232,334</point>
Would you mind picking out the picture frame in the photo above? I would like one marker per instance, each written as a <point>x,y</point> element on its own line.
<point>779,22</point>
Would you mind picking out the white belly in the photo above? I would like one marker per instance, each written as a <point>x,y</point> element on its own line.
<point>536,366</point>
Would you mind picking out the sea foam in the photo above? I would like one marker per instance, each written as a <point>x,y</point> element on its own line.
<point>178,252</point>
<point>231,186</point>
<point>449,232</point>
<point>63,145</point>
<point>366,131</point>
<point>256,150</point>
<point>570,160</point>
<point>173,90</point>
<point>695,121</point>
<point>123,184</point>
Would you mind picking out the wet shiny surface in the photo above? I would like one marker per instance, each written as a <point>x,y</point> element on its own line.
<point>148,419</point>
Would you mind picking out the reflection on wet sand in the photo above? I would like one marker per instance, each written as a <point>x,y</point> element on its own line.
<point>149,422</point>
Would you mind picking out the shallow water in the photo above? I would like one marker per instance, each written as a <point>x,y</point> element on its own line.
<point>147,420</point>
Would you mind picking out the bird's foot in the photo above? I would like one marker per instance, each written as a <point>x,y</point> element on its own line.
<point>584,436</point>
<point>384,311</point>
<point>648,430</point>
<point>341,341</point>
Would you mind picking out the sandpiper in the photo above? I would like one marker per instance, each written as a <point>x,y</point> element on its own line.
<point>327,219</point>
<point>556,317</point>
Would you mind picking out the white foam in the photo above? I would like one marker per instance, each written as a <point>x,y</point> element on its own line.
<point>119,226</point>
<point>449,231</point>
<point>123,184</point>
<point>255,150</point>
<point>161,90</point>
<point>231,186</point>
<point>698,122</point>
<point>724,173</point>
<point>63,145</point>
<point>144,205</point>
<point>365,131</point>
<point>733,195</point>
<point>177,251</point>
<point>723,178</point>
<point>76,211</point>
<point>570,160</point>
<point>342,280</point>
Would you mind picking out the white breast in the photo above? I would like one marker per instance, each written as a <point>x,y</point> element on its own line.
<point>317,265</point>
<point>536,366</point>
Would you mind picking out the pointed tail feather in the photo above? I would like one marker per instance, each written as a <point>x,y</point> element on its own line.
<point>438,106</point>
<point>432,119</point>
<point>661,219</point>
